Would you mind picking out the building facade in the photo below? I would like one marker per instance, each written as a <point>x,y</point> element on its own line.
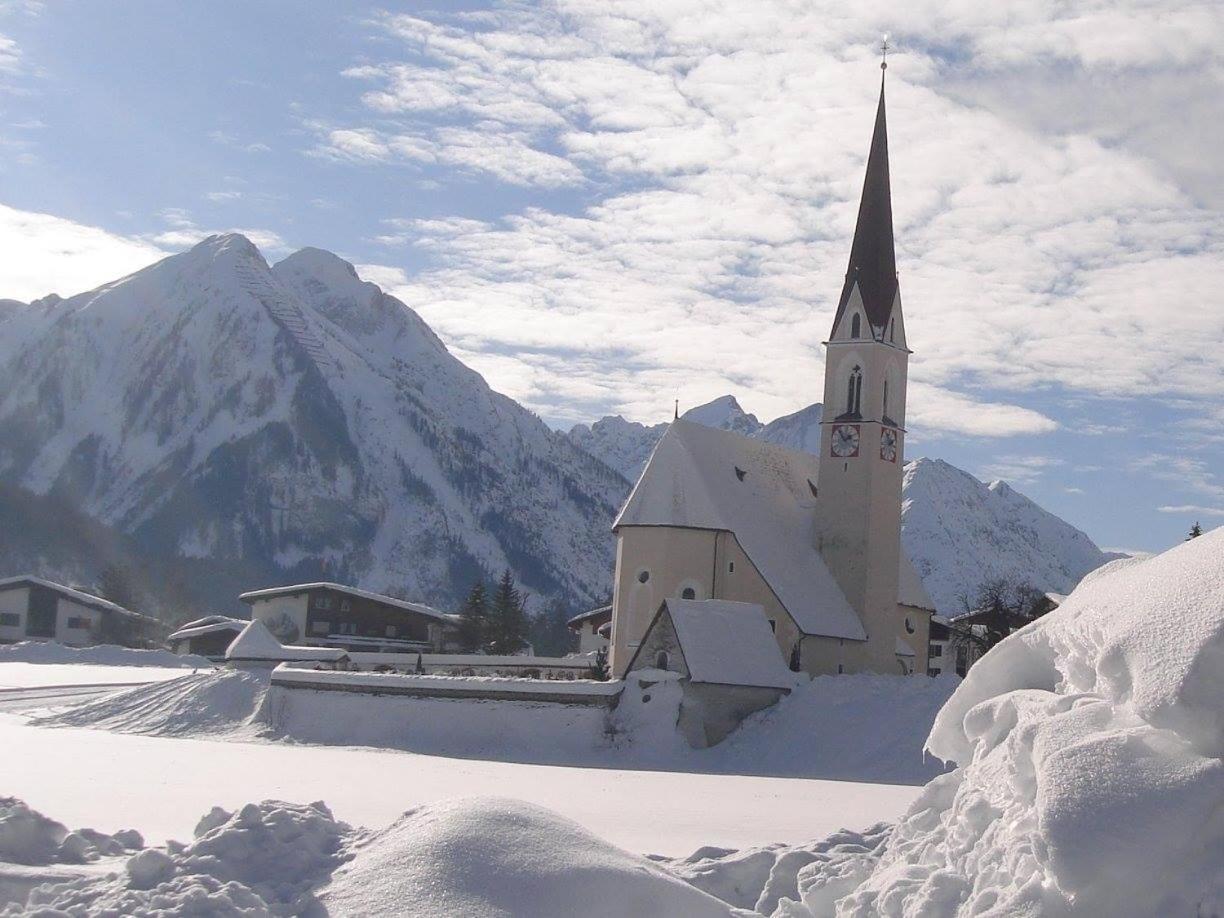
<point>334,615</point>
<point>33,609</point>
<point>815,541</point>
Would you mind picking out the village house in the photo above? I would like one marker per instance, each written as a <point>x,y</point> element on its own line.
<point>33,609</point>
<point>813,541</point>
<point>334,615</point>
<point>206,637</point>
<point>593,629</point>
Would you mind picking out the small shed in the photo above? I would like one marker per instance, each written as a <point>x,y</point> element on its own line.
<point>726,657</point>
<point>592,628</point>
<point>207,637</point>
<point>257,648</point>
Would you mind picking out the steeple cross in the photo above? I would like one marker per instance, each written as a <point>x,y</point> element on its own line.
<point>885,47</point>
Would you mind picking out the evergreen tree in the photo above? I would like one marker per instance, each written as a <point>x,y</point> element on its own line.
<point>474,620</point>
<point>600,671</point>
<point>115,584</point>
<point>507,617</point>
<point>1195,531</point>
<point>549,632</point>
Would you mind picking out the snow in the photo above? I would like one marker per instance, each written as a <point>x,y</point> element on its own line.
<point>160,785</point>
<point>43,652</point>
<point>271,592</point>
<point>1091,777</point>
<point>692,481</point>
<point>729,643</point>
<point>257,643</point>
<point>488,858</point>
<point>210,624</point>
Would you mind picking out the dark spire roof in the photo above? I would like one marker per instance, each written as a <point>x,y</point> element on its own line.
<point>873,261</point>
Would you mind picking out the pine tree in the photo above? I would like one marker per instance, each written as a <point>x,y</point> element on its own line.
<point>474,620</point>
<point>507,618</point>
<point>115,585</point>
<point>1195,531</point>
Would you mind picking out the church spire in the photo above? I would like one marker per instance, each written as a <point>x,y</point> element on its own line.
<point>873,261</point>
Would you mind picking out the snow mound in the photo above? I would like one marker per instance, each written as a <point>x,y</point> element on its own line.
<point>264,859</point>
<point>1091,780</point>
<point>494,857</point>
<point>99,655</point>
<point>194,704</point>
<point>29,837</point>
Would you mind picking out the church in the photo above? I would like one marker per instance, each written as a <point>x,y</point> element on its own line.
<point>810,545</point>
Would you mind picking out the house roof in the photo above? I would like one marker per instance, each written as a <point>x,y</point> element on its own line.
<point>873,260</point>
<point>604,612</point>
<point>77,596</point>
<point>209,624</point>
<point>728,643</point>
<point>693,481</point>
<point>420,608</point>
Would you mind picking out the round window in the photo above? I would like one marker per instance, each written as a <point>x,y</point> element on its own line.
<point>689,593</point>
<point>643,576</point>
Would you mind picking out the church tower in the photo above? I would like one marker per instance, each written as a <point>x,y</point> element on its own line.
<point>863,426</point>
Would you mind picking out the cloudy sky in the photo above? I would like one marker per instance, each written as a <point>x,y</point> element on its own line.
<point>605,206</point>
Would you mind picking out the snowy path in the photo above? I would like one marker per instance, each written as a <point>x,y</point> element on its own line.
<point>34,675</point>
<point>162,786</point>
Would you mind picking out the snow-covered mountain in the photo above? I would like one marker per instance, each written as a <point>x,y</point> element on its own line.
<point>298,421</point>
<point>958,531</point>
<point>626,445</point>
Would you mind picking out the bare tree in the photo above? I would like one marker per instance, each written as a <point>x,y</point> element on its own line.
<point>997,608</point>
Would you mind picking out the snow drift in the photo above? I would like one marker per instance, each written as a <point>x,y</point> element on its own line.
<point>1091,780</point>
<point>100,655</point>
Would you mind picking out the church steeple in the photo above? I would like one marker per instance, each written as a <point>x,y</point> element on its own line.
<point>873,260</point>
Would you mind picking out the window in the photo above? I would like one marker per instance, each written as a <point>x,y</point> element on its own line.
<point>10,620</point>
<point>643,576</point>
<point>840,669</point>
<point>932,673</point>
<point>885,412</point>
<point>348,628</point>
<point>856,326</point>
<point>78,623</point>
<point>344,605</point>
<point>391,631</point>
<point>892,328</point>
<point>322,602</point>
<point>909,626</point>
<point>688,593</point>
<point>730,567</point>
<point>662,659</point>
<point>854,390</point>
<point>320,627</point>
<point>935,650</point>
<point>773,626</point>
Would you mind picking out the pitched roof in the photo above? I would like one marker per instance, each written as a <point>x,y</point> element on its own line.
<point>420,608</point>
<point>873,260</point>
<point>603,612</point>
<point>728,643</point>
<point>693,480</point>
<point>209,624</point>
<point>256,642</point>
<point>78,596</point>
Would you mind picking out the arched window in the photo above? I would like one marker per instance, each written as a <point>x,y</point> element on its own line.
<point>856,326</point>
<point>885,412</point>
<point>662,659</point>
<point>892,329</point>
<point>688,593</point>
<point>854,391</point>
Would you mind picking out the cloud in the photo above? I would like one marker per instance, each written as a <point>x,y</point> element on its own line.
<point>38,246</point>
<point>720,154</point>
<point>226,139</point>
<point>10,56</point>
<point>184,233</point>
<point>1191,509</point>
<point>1023,469</point>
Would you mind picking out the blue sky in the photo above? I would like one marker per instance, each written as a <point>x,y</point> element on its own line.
<point>603,207</point>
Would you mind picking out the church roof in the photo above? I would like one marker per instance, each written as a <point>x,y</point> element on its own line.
<point>873,260</point>
<point>728,643</point>
<point>693,481</point>
<point>702,478</point>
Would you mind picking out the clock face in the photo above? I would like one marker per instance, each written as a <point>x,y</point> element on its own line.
<point>888,445</point>
<point>845,440</point>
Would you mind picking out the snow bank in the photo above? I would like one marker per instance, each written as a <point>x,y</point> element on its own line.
<point>189,705</point>
<point>472,857</point>
<point>1091,779</point>
<point>29,837</point>
<point>264,859</point>
<point>101,654</point>
<point>493,857</point>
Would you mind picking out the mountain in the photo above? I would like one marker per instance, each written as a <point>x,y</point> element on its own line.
<point>958,531</point>
<point>626,445</point>
<point>292,422</point>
